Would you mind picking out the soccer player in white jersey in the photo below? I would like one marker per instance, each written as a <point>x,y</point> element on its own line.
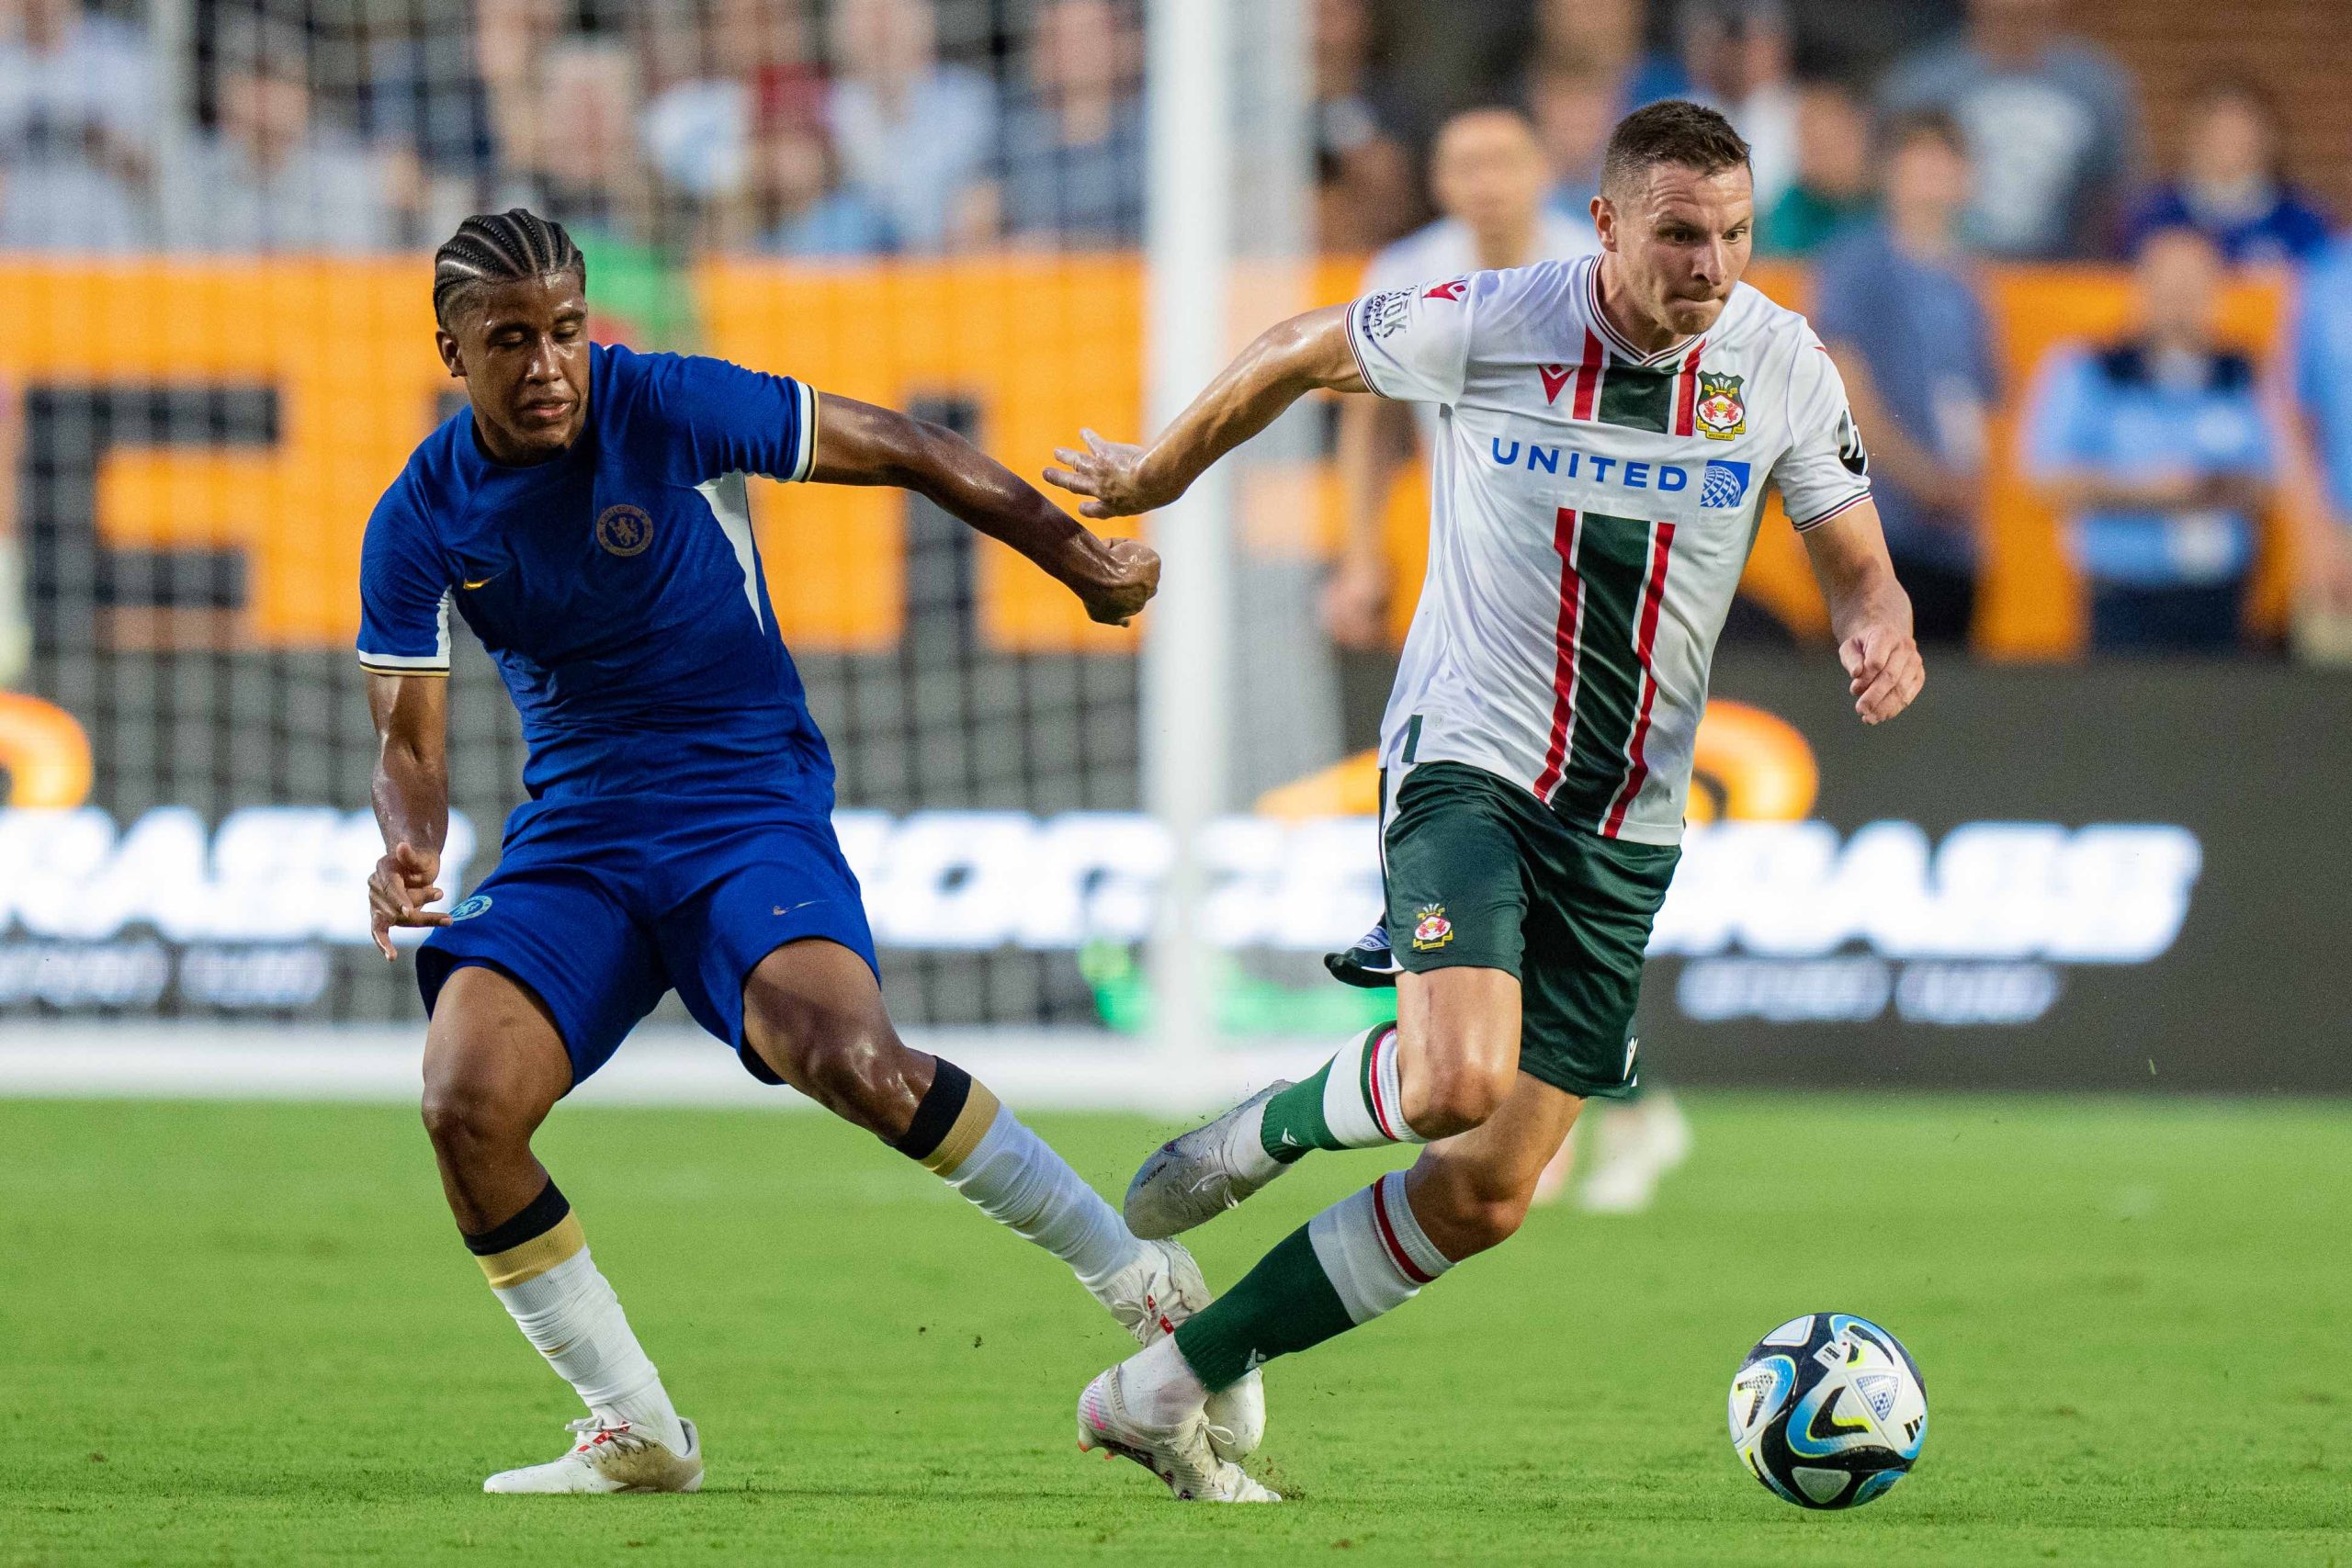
<point>1608,429</point>
<point>1490,182</point>
<point>1488,177</point>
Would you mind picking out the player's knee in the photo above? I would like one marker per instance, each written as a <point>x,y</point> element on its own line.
<point>851,1071</point>
<point>1457,1092</point>
<point>464,1119</point>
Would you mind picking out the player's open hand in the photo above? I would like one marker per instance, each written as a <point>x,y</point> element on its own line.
<point>399,891</point>
<point>1130,576</point>
<point>1110,474</point>
<point>1885,669</point>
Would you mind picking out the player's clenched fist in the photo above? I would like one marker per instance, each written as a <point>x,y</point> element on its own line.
<point>1886,671</point>
<point>1130,576</point>
<point>399,891</point>
<point>1111,474</point>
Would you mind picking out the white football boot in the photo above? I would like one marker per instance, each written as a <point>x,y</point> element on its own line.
<point>610,1459</point>
<point>1199,1175</point>
<point>1634,1148</point>
<point>1150,1298</point>
<point>1179,1455</point>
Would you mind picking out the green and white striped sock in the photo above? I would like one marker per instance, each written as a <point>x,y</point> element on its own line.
<point>1363,1256</point>
<point>1355,1100</point>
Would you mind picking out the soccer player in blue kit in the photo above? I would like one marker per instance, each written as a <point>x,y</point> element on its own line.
<point>586,514</point>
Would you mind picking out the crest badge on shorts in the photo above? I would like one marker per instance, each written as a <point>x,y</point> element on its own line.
<point>1431,930</point>
<point>1722,413</point>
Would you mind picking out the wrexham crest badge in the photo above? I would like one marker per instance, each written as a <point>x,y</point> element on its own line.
<point>1431,930</point>
<point>1721,412</point>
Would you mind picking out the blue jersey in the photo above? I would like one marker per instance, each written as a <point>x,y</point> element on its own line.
<point>617,586</point>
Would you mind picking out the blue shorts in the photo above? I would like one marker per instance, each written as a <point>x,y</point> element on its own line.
<point>600,906</point>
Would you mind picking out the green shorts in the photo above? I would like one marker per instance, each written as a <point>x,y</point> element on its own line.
<point>1481,873</point>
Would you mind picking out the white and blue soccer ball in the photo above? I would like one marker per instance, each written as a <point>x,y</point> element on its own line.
<point>1828,1411</point>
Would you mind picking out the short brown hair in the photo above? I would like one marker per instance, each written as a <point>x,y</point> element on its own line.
<point>1672,130</point>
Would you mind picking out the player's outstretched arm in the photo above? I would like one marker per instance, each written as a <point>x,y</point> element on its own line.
<point>1288,361</point>
<point>411,797</point>
<point>858,444</point>
<point>1868,612</point>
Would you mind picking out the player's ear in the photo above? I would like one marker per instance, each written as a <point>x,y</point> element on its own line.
<point>448,347</point>
<point>1604,222</point>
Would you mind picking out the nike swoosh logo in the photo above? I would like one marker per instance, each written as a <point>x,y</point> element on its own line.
<point>474,583</point>
<point>780,909</point>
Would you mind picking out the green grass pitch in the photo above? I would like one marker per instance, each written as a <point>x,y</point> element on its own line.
<point>238,1334</point>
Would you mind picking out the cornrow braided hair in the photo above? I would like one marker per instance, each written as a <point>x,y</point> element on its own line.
<point>492,248</point>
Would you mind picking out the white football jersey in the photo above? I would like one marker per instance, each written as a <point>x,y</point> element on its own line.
<point>1592,508</point>
<point>1447,248</point>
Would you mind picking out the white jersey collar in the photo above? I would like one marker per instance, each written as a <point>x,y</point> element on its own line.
<point>1615,340</point>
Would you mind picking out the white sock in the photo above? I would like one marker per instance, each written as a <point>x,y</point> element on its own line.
<point>1014,1177</point>
<point>570,1312</point>
<point>1159,1387</point>
<point>1374,1251</point>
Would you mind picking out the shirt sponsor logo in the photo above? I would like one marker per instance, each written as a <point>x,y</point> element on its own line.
<point>1721,414</point>
<point>624,530</point>
<point>1724,484</point>
<point>1384,313</point>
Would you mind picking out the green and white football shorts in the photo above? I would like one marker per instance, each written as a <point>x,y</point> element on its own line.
<point>1481,873</point>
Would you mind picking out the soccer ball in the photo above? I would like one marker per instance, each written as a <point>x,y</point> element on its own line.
<point>1828,1411</point>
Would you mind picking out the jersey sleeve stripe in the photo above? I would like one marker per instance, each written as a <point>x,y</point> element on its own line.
<point>1356,350</point>
<point>1846,505</point>
<point>804,456</point>
<point>433,663</point>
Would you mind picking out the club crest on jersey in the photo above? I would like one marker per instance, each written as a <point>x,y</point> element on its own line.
<point>1431,930</point>
<point>1721,412</point>
<point>624,530</point>
<point>1451,289</point>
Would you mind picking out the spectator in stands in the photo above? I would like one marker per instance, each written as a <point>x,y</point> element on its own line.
<point>1830,193</point>
<point>808,211</point>
<point>1574,104</point>
<point>1073,162</point>
<point>587,171</point>
<point>1897,308</point>
<point>1363,178</point>
<point>1608,34</point>
<point>2157,452</point>
<point>511,39</point>
<point>422,92</point>
<point>270,176</point>
<point>2053,128</point>
<point>1736,55</point>
<point>1488,176</point>
<point>77,107</point>
<point>2322,340</point>
<point>734,90</point>
<point>918,135</point>
<point>2233,187</point>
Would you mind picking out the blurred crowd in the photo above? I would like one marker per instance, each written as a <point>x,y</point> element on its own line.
<point>658,130</point>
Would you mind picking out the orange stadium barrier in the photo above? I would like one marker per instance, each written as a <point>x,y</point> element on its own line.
<point>1038,346</point>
